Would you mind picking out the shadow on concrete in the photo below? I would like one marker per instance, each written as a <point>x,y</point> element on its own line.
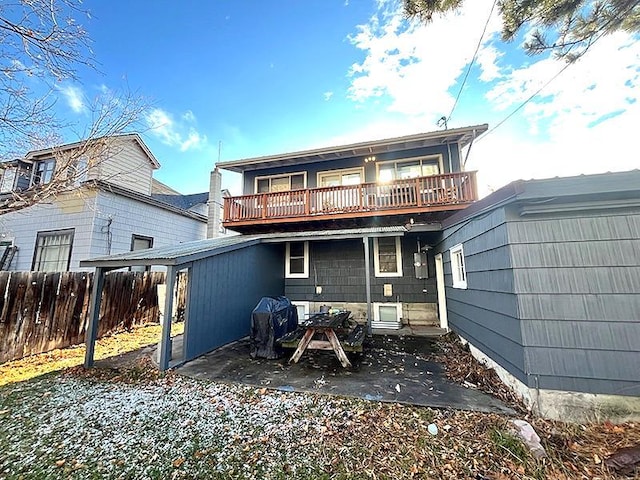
<point>392,369</point>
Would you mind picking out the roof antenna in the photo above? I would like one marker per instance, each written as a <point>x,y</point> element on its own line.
<point>442,121</point>
<point>219,149</point>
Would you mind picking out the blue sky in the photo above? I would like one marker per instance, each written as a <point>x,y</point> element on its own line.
<point>267,77</point>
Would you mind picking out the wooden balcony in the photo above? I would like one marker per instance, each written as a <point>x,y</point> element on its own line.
<point>415,196</point>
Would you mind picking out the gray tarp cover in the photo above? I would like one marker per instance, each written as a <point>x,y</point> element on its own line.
<point>272,318</point>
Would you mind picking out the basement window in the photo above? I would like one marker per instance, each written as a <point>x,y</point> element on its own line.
<point>458,271</point>
<point>297,260</point>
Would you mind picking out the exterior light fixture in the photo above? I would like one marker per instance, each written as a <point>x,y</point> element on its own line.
<point>371,158</point>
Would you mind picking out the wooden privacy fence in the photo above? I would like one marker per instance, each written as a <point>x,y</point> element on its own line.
<point>42,311</point>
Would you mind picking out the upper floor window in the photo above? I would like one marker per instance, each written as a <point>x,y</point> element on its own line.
<point>387,257</point>
<point>336,178</point>
<point>409,168</point>
<point>458,270</point>
<point>297,260</point>
<point>281,183</point>
<point>8,179</point>
<point>43,171</point>
<point>53,251</point>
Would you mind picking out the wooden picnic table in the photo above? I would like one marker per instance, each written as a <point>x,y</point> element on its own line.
<point>323,324</point>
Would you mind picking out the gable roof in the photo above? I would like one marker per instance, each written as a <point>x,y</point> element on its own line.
<point>184,202</point>
<point>69,146</point>
<point>462,136</point>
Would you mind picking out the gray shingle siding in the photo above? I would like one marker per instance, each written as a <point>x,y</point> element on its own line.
<point>486,312</point>
<point>339,268</point>
<point>554,298</point>
<point>578,280</point>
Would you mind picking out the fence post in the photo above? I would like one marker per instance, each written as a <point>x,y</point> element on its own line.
<point>165,341</point>
<point>94,316</point>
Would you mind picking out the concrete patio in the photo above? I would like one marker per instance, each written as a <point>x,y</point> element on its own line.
<point>392,369</point>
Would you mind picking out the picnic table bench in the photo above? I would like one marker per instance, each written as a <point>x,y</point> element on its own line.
<point>335,327</point>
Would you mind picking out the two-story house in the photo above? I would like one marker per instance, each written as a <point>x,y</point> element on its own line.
<point>110,204</point>
<point>361,220</point>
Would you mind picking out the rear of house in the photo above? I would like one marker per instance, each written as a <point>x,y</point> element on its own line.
<point>362,220</point>
<point>543,280</point>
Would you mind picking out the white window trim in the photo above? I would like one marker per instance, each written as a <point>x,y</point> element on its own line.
<point>287,270</point>
<point>455,267</point>
<point>306,305</point>
<point>376,310</point>
<point>291,174</point>
<point>340,171</point>
<point>437,156</point>
<point>376,260</point>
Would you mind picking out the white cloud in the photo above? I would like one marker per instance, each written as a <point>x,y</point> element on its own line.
<point>182,135</point>
<point>74,97</point>
<point>327,95</point>
<point>577,124</point>
<point>412,66</point>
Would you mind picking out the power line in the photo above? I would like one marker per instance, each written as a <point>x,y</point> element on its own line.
<point>603,32</point>
<point>473,59</point>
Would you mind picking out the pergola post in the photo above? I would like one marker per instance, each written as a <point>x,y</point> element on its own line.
<point>367,280</point>
<point>165,340</point>
<point>94,316</point>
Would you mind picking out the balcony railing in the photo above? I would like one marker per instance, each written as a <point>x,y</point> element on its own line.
<point>436,192</point>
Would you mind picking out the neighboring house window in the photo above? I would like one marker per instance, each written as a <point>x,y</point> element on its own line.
<point>53,251</point>
<point>457,267</point>
<point>140,242</point>
<point>281,183</point>
<point>387,257</point>
<point>297,260</point>
<point>43,171</point>
<point>415,167</point>
<point>8,180</point>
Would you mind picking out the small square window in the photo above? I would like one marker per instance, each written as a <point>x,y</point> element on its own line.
<point>297,260</point>
<point>43,171</point>
<point>387,257</point>
<point>458,271</point>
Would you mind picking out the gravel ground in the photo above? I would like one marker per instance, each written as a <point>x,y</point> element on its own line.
<point>135,423</point>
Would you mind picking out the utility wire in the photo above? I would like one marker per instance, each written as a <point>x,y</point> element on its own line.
<point>473,59</point>
<point>532,96</point>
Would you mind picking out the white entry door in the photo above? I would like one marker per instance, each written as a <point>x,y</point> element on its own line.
<point>442,299</point>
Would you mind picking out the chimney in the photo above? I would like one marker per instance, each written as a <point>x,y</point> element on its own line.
<point>215,204</point>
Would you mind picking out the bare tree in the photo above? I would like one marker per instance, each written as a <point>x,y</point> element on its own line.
<point>566,27</point>
<point>43,43</point>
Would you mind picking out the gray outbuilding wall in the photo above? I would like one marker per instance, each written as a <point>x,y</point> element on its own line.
<point>553,281</point>
<point>577,278</point>
<point>486,312</point>
<point>223,291</point>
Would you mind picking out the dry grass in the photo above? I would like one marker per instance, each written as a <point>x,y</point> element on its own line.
<point>59,359</point>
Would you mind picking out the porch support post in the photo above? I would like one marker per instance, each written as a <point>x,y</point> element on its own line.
<point>94,316</point>
<point>367,280</point>
<point>165,341</point>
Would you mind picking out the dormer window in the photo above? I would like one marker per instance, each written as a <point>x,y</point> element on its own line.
<point>43,171</point>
